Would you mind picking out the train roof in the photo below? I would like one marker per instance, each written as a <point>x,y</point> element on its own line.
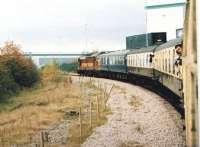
<point>114,53</point>
<point>142,50</point>
<point>94,54</point>
<point>170,43</point>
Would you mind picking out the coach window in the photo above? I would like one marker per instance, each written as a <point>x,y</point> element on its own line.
<point>173,61</point>
<point>160,67</point>
<point>166,64</point>
<point>132,60</point>
<point>139,61</point>
<point>147,61</point>
<point>144,60</point>
<point>132,56</point>
<point>163,61</point>
<point>128,61</point>
<point>117,60</point>
<point>169,61</point>
<point>136,60</point>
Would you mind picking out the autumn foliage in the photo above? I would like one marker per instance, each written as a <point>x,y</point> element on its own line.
<point>50,72</point>
<point>16,70</point>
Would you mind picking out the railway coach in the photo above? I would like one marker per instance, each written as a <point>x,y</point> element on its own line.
<point>113,64</point>
<point>140,64</point>
<point>167,65</point>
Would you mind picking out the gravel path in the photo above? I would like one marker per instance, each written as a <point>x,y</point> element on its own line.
<point>140,118</point>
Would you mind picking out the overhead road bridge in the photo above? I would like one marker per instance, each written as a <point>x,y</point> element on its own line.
<point>41,59</point>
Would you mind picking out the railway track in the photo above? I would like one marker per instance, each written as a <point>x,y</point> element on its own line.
<point>159,89</point>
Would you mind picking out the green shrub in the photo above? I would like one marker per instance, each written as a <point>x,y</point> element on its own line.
<point>23,75</point>
<point>16,71</point>
<point>8,86</point>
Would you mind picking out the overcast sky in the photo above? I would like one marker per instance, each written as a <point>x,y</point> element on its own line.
<point>65,25</point>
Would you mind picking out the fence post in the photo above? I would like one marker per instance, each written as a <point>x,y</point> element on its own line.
<point>80,121</point>
<point>98,115</point>
<point>41,139</point>
<point>90,114</point>
<point>110,90</point>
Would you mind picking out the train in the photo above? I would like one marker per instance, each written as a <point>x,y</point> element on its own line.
<point>171,65</point>
<point>159,63</point>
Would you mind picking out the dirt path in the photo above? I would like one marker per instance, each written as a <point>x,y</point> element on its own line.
<point>139,118</point>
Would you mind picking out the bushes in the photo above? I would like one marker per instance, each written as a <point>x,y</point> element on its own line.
<point>7,84</point>
<point>69,67</point>
<point>50,72</point>
<point>16,71</point>
<point>23,75</point>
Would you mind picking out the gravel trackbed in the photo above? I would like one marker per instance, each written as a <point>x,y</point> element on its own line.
<point>140,118</point>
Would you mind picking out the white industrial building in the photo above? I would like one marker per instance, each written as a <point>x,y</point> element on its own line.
<point>165,16</point>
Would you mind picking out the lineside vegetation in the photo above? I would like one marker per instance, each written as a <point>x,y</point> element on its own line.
<point>16,71</point>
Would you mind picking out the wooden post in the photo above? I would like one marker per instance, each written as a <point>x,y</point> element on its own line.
<point>90,114</point>
<point>110,90</point>
<point>80,121</point>
<point>41,139</point>
<point>98,115</point>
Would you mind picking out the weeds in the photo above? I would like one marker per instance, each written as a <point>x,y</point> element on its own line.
<point>135,102</point>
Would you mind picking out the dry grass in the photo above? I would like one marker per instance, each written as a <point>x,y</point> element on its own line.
<point>139,129</point>
<point>96,90</point>
<point>135,102</point>
<point>131,144</point>
<point>34,110</point>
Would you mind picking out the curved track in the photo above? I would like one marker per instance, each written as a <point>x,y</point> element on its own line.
<point>159,89</point>
<point>139,118</point>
